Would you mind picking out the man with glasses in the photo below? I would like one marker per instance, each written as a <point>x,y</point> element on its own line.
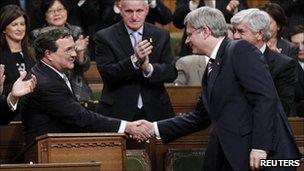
<point>134,60</point>
<point>52,107</point>
<point>238,99</point>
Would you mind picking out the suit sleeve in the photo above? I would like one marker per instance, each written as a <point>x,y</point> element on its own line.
<point>160,14</point>
<point>256,82</point>
<point>6,115</point>
<point>285,85</point>
<point>63,107</point>
<point>181,10</point>
<point>164,69</point>
<point>173,128</point>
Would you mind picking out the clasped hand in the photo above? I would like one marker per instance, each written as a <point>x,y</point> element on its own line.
<point>140,130</point>
<point>142,52</point>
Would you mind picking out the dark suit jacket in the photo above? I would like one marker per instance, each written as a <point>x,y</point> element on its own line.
<point>299,95</point>
<point>283,70</point>
<point>6,115</point>
<point>11,72</point>
<point>241,102</point>
<point>288,48</point>
<point>123,83</point>
<point>182,9</point>
<point>52,108</point>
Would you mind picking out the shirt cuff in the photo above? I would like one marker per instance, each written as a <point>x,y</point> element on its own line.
<point>12,106</point>
<point>153,4</point>
<point>258,150</point>
<point>157,134</point>
<point>122,127</point>
<point>81,2</point>
<point>150,71</point>
<point>134,61</point>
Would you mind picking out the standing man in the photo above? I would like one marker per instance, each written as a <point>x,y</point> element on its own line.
<point>253,25</point>
<point>8,106</point>
<point>238,98</point>
<point>134,60</point>
<point>52,107</point>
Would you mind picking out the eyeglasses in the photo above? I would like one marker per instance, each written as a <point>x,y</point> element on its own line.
<point>53,11</point>
<point>70,50</point>
<point>191,33</point>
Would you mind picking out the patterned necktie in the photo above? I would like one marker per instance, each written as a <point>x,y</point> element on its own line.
<point>210,66</point>
<point>67,82</point>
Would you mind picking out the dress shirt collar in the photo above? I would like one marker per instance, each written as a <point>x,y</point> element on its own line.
<point>59,73</point>
<point>216,48</point>
<point>301,64</point>
<point>263,48</point>
<point>140,30</point>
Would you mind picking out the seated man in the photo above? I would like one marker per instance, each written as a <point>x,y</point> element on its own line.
<point>190,70</point>
<point>52,107</point>
<point>8,106</point>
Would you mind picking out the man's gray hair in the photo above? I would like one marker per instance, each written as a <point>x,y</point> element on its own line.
<point>255,20</point>
<point>207,17</point>
<point>146,1</point>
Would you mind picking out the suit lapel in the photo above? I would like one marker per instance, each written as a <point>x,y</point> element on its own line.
<point>123,38</point>
<point>53,75</point>
<point>216,68</point>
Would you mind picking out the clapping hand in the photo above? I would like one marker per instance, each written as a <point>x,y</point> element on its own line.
<point>21,88</point>
<point>2,77</point>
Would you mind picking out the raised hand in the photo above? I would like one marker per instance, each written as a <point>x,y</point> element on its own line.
<point>2,77</point>
<point>143,50</point>
<point>21,88</point>
<point>81,45</point>
<point>233,4</point>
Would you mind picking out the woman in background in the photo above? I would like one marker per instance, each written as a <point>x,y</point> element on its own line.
<point>55,14</point>
<point>15,52</point>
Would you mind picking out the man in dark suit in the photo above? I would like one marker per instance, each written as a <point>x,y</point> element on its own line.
<point>52,107</point>
<point>238,98</point>
<point>283,69</point>
<point>134,69</point>
<point>297,37</point>
<point>8,106</point>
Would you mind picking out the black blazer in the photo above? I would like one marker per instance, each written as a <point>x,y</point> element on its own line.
<point>299,93</point>
<point>11,72</point>
<point>288,48</point>
<point>240,101</point>
<point>6,115</point>
<point>52,108</point>
<point>283,70</point>
<point>123,83</point>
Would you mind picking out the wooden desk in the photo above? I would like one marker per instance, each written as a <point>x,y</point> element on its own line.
<point>107,148</point>
<point>86,166</point>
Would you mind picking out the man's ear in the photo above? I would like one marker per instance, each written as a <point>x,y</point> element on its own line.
<point>259,34</point>
<point>47,55</point>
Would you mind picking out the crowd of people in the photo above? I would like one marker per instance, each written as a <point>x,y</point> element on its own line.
<point>251,72</point>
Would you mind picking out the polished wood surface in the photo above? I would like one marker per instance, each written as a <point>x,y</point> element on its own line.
<point>86,166</point>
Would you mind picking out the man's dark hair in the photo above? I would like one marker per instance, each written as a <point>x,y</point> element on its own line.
<point>296,30</point>
<point>47,38</point>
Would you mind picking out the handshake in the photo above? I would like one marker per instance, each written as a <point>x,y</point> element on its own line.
<point>140,130</point>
